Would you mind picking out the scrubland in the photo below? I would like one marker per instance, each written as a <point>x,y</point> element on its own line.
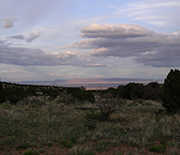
<point>63,125</point>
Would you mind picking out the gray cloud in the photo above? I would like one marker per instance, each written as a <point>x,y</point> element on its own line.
<point>38,57</point>
<point>28,38</point>
<point>145,46</point>
<point>32,36</point>
<point>17,37</point>
<point>166,56</point>
<point>8,22</point>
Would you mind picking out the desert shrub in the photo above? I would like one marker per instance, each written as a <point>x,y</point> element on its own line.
<point>152,91</point>
<point>73,139</point>
<point>94,114</point>
<point>49,144</point>
<point>31,152</point>
<point>24,145</point>
<point>14,94</point>
<point>105,107</point>
<point>41,150</point>
<point>66,144</point>
<point>171,95</point>
<point>5,106</point>
<point>158,149</point>
<point>81,151</point>
<point>102,146</point>
<point>108,105</point>
<point>133,90</point>
<point>81,94</point>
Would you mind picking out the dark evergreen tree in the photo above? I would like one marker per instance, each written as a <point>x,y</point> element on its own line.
<point>2,96</point>
<point>133,90</point>
<point>152,91</point>
<point>171,95</point>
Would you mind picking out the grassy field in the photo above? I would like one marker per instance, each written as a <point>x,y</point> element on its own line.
<point>38,125</point>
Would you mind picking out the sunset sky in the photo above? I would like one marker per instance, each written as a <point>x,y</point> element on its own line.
<point>65,39</point>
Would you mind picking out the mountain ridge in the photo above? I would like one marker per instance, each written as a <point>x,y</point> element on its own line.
<point>93,81</point>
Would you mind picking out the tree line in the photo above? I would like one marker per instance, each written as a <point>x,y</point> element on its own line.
<point>168,92</point>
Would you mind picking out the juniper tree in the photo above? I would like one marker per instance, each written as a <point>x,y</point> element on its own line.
<point>171,95</point>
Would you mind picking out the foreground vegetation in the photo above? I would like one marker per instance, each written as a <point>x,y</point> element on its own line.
<point>39,125</point>
<point>128,120</point>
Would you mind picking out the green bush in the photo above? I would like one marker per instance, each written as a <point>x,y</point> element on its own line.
<point>171,95</point>
<point>49,144</point>
<point>66,144</point>
<point>94,115</point>
<point>73,139</point>
<point>81,151</point>
<point>81,94</point>
<point>101,146</point>
<point>158,149</point>
<point>5,106</point>
<point>31,152</point>
<point>22,146</point>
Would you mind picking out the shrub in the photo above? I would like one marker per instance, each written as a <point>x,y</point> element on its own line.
<point>49,144</point>
<point>73,139</point>
<point>66,144</point>
<point>81,94</point>
<point>94,115</point>
<point>171,95</point>
<point>22,146</point>
<point>81,151</point>
<point>31,152</point>
<point>41,150</point>
<point>158,149</point>
<point>101,146</point>
<point>5,106</point>
<point>108,106</point>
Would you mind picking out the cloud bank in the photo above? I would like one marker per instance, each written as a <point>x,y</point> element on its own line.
<point>114,31</point>
<point>145,46</point>
<point>121,41</point>
<point>37,57</point>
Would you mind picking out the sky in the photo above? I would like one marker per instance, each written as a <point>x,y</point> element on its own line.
<point>47,40</point>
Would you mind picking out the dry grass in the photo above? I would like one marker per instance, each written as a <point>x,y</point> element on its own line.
<point>132,129</point>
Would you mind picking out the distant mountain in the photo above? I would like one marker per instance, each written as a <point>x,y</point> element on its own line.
<point>110,80</point>
<point>41,82</point>
<point>92,82</point>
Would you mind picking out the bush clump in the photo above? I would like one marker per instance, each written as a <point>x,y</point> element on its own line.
<point>158,149</point>
<point>31,152</point>
<point>171,95</point>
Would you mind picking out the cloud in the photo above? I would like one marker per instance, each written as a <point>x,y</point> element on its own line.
<point>32,36</point>
<point>8,22</point>
<point>167,56</point>
<point>17,37</point>
<point>114,31</point>
<point>28,38</point>
<point>141,44</point>
<point>37,57</point>
<point>158,13</point>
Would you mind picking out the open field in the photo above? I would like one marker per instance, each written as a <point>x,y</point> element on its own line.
<point>63,127</point>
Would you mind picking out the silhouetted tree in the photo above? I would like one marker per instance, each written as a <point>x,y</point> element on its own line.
<point>133,90</point>
<point>2,97</point>
<point>152,91</point>
<point>171,95</point>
